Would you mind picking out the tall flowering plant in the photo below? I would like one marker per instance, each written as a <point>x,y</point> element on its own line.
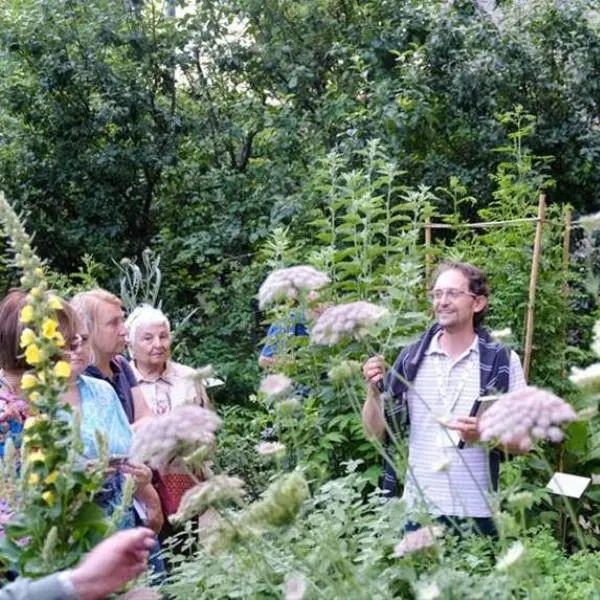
<point>47,489</point>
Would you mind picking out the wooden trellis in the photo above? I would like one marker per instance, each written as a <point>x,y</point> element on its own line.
<point>540,220</point>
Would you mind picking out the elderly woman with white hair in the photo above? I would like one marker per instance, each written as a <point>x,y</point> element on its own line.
<point>164,382</point>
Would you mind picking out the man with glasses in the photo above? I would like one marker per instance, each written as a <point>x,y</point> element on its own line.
<point>433,389</point>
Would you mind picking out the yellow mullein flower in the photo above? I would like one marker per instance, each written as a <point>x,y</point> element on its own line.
<point>34,396</point>
<point>58,339</point>
<point>39,271</point>
<point>51,479</point>
<point>36,292</point>
<point>33,354</point>
<point>33,479</point>
<point>36,456</point>
<point>62,369</point>
<point>49,327</point>
<point>26,314</point>
<point>48,498</point>
<point>54,303</point>
<point>28,381</point>
<point>27,337</point>
<point>30,422</point>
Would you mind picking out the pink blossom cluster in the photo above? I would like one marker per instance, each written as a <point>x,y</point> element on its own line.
<point>418,540</point>
<point>176,434</point>
<point>346,320</point>
<point>519,418</point>
<point>287,283</point>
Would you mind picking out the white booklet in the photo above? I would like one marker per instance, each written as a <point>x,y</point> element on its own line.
<point>564,484</point>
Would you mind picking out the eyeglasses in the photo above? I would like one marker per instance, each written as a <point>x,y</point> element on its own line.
<point>78,341</point>
<point>450,293</point>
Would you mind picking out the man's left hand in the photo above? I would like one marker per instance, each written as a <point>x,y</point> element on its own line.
<point>467,427</point>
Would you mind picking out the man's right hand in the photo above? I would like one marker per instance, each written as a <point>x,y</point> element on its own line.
<point>374,371</point>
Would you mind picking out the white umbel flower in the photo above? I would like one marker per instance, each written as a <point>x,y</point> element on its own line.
<point>428,591</point>
<point>512,556</point>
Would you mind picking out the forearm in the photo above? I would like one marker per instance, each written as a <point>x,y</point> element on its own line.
<point>372,414</point>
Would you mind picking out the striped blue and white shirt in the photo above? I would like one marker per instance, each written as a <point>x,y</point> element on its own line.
<point>441,479</point>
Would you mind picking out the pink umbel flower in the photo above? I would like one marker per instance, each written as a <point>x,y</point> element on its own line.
<point>276,385</point>
<point>519,418</point>
<point>421,539</point>
<point>270,448</point>
<point>178,433</point>
<point>346,320</point>
<point>287,283</point>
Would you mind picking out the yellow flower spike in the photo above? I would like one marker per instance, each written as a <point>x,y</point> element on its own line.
<point>33,479</point>
<point>34,396</point>
<point>27,337</point>
<point>39,272</point>
<point>51,479</point>
<point>54,303</point>
<point>36,292</point>
<point>48,498</point>
<point>33,355</point>
<point>36,456</point>
<point>62,369</point>
<point>28,381</point>
<point>30,422</point>
<point>49,327</point>
<point>26,314</point>
<point>58,339</point>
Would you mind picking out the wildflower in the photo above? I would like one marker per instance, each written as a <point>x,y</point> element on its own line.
<point>428,591</point>
<point>34,397</point>
<point>33,355</point>
<point>421,539</point>
<point>216,490</point>
<point>28,381</point>
<point>294,588</point>
<point>519,418</point>
<point>587,379</point>
<point>344,370</point>
<point>177,433</point>
<point>275,385</point>
<point>281,501</point>
<point>31,422</point>
<point>36,292</point>
<point>26,314</point>
<point>49,327</point>
<point>346,320</point>
<point>62,369</point>
<point>51,479</point>
<point>48,497</point>
<point>512,556</point>
<point>33,479</point>
<point>287,283</point>
<point>58,339</point>
<point>54,302</point>
<point>36,456</point>
<point>288,406</point>
<point>28,337</point>
<point>270,448</point>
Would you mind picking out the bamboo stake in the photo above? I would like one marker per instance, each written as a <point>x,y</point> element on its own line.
<point>484,224</point>
<point>427,250</point>
<point>535,266</point>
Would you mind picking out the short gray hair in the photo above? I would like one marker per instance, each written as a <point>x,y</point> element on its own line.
<point>144,315</point>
